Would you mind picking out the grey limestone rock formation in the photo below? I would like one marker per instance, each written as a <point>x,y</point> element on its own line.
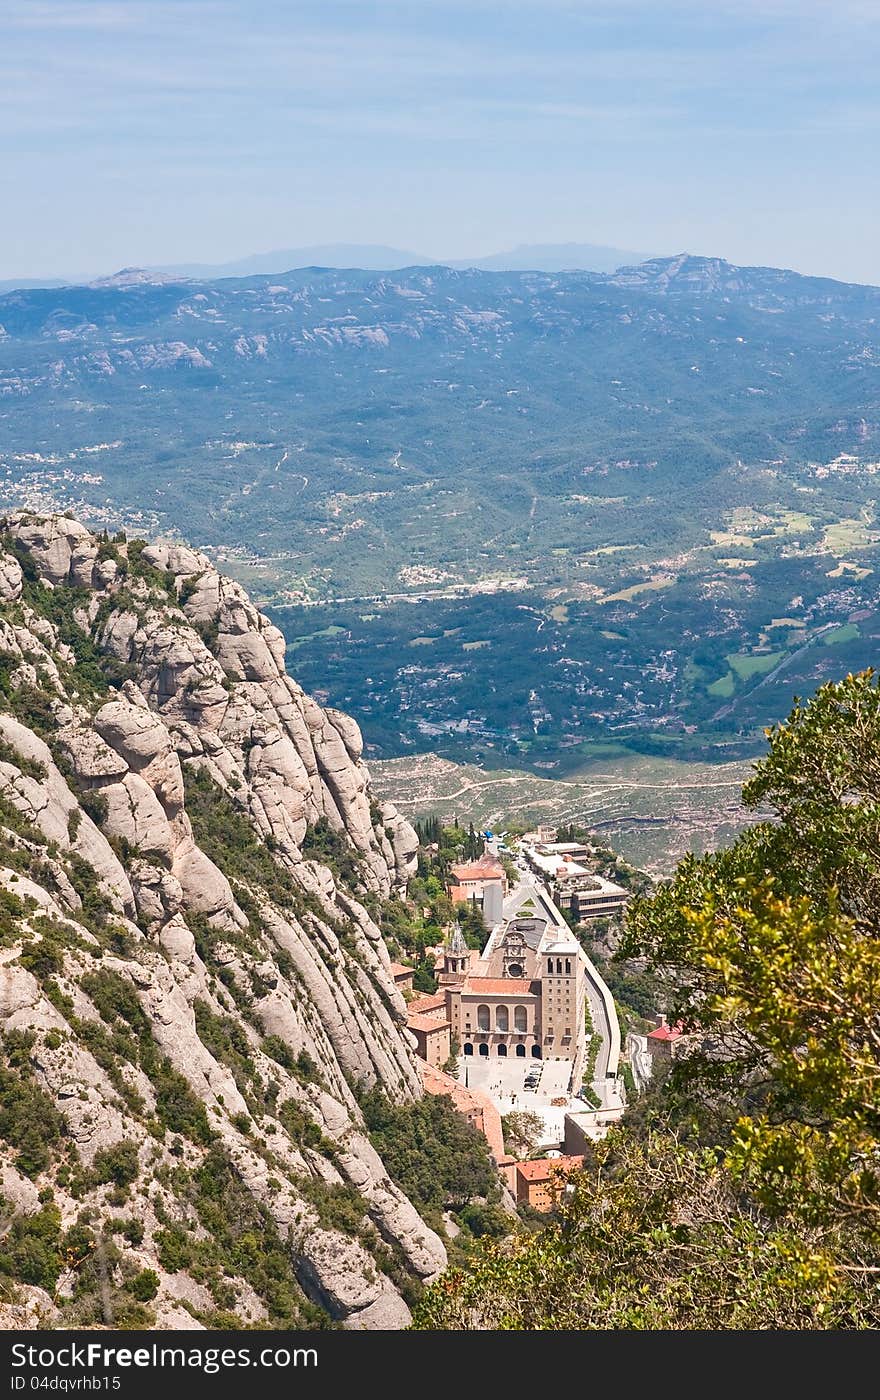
<point>191,860</point>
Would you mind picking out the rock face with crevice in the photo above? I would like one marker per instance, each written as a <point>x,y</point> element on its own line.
<point>191,971</point>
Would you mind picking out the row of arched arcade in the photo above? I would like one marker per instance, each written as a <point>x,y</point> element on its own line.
<point>519,1050</point>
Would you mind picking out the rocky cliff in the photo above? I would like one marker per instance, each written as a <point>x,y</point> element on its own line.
<point>192,981</point>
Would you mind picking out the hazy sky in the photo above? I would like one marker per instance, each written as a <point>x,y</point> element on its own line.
<point>151,131</point>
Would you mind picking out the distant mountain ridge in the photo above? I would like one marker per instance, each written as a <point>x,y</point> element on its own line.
<point>538,257</point>
<point>678,274</point>
<point>372,257</point>
<point>555,257</point>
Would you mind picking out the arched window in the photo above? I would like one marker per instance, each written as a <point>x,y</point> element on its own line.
<point>502,1049</point>
<point>521,1051</point>
<point>568,965</point>
<point>502,1018</point>
<point>484,1050</point>
<point>550,967</point>
<point>559,966</point>
<point>520,1018</point>
<point>468,1049</point>
<point>483,1020</point>
<point>536,1052</point>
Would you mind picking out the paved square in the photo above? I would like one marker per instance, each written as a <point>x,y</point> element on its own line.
<point>504,1082</point>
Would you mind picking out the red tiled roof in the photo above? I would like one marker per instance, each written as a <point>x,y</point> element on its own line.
<point>485,869</point>
<point>665,1033</point>
<point>501,986</point>
<point>426,1023</point>
<point>434,1002</point>
<point>398,970</point>
<point>544,1169</point>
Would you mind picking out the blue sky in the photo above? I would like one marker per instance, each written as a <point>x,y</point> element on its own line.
<point>153,131</point>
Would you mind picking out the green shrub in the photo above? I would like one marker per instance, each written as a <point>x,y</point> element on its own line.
<point>12,909</point>
<point>115,997</point>
<point>118,1164</point>
<point>279,1051</point>
<point>85,880</point>
<point>227,1042</point>
<point>12,818</point>
<point>209,633</point>
<point>34,708</point>
<point>433,1154</point>
<point>144,1285</point>
<point>137,567</point>
<point>31,767</point>
<point>486,1221</point>
<point>94,804</point>
<point>131,1229</point>
<point>30,1249</point>
<point>244,1241</point>
<point>29,1121</point>
<point>177,1107</point>
<point>331,848</point>
<point>227,837</point>
<point>303,1129</point>
<point>175,1249</point>
<point>44,958</point>
<point>338,1206</point>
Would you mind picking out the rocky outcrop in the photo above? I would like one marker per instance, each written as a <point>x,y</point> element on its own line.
<point>189,855</point>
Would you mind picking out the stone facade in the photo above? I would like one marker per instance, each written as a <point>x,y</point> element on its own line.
<point>432,1039</point>
<point>522,997</point>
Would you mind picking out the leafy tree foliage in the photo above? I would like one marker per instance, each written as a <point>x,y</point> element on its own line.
<point>29,1121</point>
<point>522,1130</point>
<point>653,1237</point>
<point>770,952</point>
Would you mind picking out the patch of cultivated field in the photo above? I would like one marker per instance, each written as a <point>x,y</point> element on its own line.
<point>651,585</point>
<point>848,534</point>
<point>747,666</point>
<point>653,810</point>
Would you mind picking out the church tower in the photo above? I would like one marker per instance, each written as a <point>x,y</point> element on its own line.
<point>456,958</point>
<point>562,998</point>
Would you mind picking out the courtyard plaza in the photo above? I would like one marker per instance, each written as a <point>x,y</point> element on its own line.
<point>504,1082</point>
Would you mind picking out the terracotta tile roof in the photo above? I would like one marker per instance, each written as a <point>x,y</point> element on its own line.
<point>425,1023</point>
<point>485,869</point>
<point>501,986</point>
<point>545,1168</point>
<point>665,1033</point>
<point>398,970</point>
<point>433,1002</point>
